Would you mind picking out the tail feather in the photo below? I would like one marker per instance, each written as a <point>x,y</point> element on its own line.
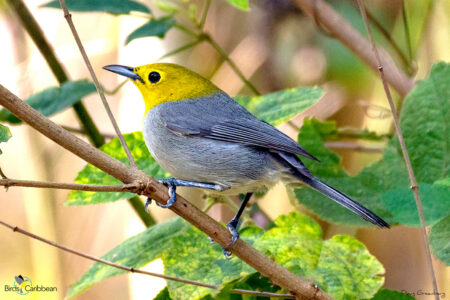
<point>305,176</point>
<point>344,200</point>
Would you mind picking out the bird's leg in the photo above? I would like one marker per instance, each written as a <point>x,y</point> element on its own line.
<point>172,184</point>
<point>233,224</point>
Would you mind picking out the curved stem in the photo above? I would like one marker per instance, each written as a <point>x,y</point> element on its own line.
<point>414,185</point>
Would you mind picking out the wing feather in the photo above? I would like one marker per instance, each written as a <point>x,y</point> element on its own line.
<point>221,118</point>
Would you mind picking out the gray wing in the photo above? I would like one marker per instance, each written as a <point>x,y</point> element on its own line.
<point>221,118</point>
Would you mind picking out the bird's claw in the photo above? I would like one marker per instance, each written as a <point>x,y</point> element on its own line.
<point>173,198</point>
<point>147,203</point>
<point>232,227</point>
<point>172,194</point>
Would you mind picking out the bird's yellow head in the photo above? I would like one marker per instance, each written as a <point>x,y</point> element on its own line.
<point>163,82</point>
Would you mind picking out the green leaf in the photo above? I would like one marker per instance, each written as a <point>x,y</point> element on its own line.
<point>167,6</point>
<point>253,282</point>
<point>115,7</point>
<point>435,202</point>
<point>93,175</point>
<point>241,4</point>
<point>366,188</point>
<point>192,257</point>
<point>297,247</point>
<point>279,107</point>
<point>5,135</point>
<point>155,27</point>
<point>385,294</point>
<point>342,265</point>
<point>135,252</point>
<point>440,240</point>
<point>53,100</point>
<point>425,122</point>
<point>163,295</point>
<point>444,181</point>
<point>346,269</point>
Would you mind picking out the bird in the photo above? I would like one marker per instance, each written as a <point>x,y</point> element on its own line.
<point>207,140</point>
<point>22,283</point>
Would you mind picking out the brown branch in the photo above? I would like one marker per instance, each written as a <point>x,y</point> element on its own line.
<point>340,29</point>
<point>99,88</point>
<point>414,185</point>
<point>131,188</point>
<point>151,188</point>
<point>133,270</point>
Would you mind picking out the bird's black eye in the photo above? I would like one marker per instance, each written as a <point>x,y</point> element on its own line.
<point>154,77</point>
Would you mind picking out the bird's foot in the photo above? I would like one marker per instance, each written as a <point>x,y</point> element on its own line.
<point>172,184</point>
<point>232,227</point>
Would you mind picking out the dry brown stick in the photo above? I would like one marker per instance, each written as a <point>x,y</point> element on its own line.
<point>414,185</point>
<point>301,288</point>
<point>355,42</point>
<point>133,270</point>
<point>99,88</point>
<point>131,187</point>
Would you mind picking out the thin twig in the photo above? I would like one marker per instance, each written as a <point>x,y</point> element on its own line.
<point>204,15</point>
<point>133,270</point>
<point>185,30</point>
<point>225,56</point>
<point>279,275</point>
<point>116,89</point>
<point>7,182</point>
<point>2,175</point>
<point>68,17</point>
<point>182,48</point>
<point>414,185</point>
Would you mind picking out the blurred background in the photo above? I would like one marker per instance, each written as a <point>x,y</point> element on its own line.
<point>277,47</point>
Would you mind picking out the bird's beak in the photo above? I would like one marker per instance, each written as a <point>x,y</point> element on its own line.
<point>124,71</point>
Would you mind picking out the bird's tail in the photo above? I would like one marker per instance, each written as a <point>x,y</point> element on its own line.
<point>344,200</point>
<point>305,176</point>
